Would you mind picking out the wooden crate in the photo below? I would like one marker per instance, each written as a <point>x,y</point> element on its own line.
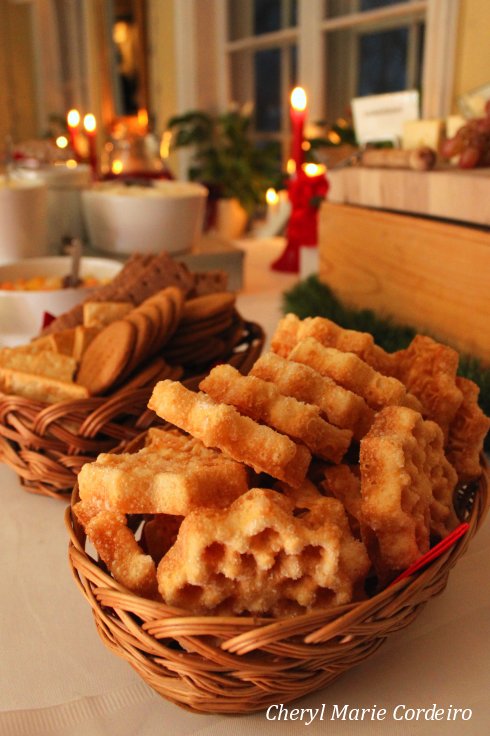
<point>432,275</point>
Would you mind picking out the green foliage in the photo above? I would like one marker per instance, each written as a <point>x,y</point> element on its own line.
<point>311,298</point>
<point>224,156</point>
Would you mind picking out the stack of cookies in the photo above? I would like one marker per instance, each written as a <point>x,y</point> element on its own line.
<point>154,320</point>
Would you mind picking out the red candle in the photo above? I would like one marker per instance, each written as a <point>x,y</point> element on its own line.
<point>73,121</point>
<point>90,127</point>
<point>298,117</point>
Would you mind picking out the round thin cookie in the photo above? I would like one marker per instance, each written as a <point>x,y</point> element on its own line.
<point>154,314</point>
<point>144,337</point>
<point>107,356</point>
<point>204,307</point>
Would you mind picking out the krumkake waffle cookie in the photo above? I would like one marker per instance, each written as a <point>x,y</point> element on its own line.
<point>407,485</point>
<point>428,369</point>
<point>172,474</point>
<point>262,401</point>
<point>467,433</point>
<point>117,547</point>
<point>221,426</point>
<point>257,557</point>
<point>349,371</point>
<point>341,407</point>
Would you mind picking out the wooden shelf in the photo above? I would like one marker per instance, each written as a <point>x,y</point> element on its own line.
<point>456,194</point>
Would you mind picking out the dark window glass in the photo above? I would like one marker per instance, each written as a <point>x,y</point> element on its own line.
<point>267,68</point>
<point>382,62</point>
<point>255,17</point>
<point>267,16</point>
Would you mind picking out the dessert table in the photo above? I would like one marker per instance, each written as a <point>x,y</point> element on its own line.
<point>59,680</point>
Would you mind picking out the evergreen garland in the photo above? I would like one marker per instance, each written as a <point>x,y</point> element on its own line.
<point>311,298</point>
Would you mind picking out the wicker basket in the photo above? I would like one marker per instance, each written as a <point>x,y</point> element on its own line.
<point>47,444</point>
<point>243,664</point>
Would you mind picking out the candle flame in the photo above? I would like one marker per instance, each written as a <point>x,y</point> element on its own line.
<point>298,98</point>
<point>143,119</point>
<point>291,167</point>
<point>117,166</point>
<point>312,169</point>
<point>271,196</point>
<point>62,141</point>
<point>71,163</point>
<point>333,137</point>
<point>89,123</point>
<point>73,118</point>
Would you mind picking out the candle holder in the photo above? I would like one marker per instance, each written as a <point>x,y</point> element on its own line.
<point>306,189</point>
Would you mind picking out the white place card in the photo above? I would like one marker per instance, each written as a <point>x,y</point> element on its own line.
<point>381,117</point>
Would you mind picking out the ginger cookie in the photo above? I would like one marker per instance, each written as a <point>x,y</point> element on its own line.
<point>107,356</point>
<point>204,307</point>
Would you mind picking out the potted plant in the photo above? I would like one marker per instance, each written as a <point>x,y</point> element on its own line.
<point>236,170</point>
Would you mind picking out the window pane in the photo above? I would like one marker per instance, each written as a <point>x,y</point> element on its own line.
<point>334,8</point>
<point>267,66</point>
<point>254,17</point>
<point>382,62</point>
<point>374,62</point>
<point>265,78</point>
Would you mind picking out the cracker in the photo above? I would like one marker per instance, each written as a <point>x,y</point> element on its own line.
<point>219,425</point>
<point>83,338</point>
<point>43,363</point>
<point>101,314</point>
<point>261,400</point>
<point>106,357</point>
<point>39,388</point>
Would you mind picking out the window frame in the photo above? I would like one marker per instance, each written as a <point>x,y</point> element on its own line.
<point>441,23</point>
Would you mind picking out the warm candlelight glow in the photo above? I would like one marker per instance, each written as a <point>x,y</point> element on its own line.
<point>312,169</point>
<point>333,137</point>
<point>271,196</point>
<point>143,119</point>
<point>71,163</point>
<point>165,144</point>
<point>89,123</point>
<point>62,141</point>
<point>73,118</point>
<point>291,167</point>
<point>117,166</point>
<point>298,98</point>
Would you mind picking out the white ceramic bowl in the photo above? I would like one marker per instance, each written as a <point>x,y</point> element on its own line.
<point>21,312</point>
<point>167,216</point>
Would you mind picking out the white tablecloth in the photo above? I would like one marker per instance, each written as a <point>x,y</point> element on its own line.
<point>59,680</point>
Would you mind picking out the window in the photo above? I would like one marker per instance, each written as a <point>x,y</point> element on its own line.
<point>337,50</point>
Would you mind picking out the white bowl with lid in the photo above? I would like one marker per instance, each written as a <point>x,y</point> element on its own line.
<point>163,216</point>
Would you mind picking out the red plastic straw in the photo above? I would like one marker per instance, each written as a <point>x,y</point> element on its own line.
<point>435,552</point>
